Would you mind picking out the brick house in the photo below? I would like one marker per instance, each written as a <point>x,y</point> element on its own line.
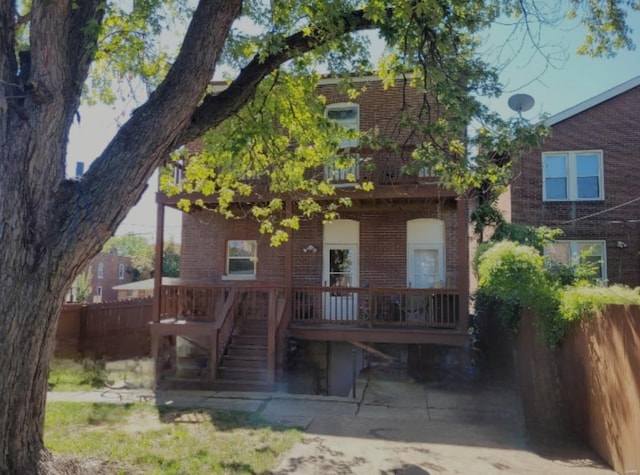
<point>583,180</point>
<point>107,270</point>
<point>392,269</point>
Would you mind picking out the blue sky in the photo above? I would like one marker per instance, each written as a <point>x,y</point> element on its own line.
<point>556,88</point>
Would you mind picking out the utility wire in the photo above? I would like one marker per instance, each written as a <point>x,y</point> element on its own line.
<point>601,212</point>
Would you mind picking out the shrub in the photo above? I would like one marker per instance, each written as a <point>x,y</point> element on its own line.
<point>514,277</point>
<point>584,301</point>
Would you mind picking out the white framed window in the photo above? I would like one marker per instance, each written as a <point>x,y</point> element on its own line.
<point>347,115</point>
<point>425,253</point>
<point>242,257</point>
<point>121,271</point>
<point>572,252</point>
<point>100,270</point>
<point>572,176</point>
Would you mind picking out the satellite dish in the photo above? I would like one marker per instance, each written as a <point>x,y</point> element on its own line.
<point>521,102</point>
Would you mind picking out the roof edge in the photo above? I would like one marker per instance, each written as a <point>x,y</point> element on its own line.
<point>594,101</point>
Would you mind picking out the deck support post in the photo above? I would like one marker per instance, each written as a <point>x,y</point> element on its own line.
<point>157,273</point>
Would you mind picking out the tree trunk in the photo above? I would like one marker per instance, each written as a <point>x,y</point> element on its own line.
<point>27,335</point>
<point>51,227</point>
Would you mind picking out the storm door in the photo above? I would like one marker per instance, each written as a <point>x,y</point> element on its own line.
<point>340,270</point>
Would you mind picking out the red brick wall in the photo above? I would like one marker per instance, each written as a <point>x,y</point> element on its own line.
<point>383,223</point>
<point>382,247</point>
<point>382,108</point>
<point>613,128</point>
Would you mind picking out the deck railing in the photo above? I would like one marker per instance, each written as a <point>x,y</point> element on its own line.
<point>191,302</point>
<point>368,306</point>
<point>433,308</point>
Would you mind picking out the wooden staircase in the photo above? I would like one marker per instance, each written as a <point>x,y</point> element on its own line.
<point>244,364</point>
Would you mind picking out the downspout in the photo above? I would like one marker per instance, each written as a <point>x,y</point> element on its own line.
<point>463,264</point>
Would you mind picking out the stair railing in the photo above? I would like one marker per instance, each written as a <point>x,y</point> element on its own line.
<point>225,324</point>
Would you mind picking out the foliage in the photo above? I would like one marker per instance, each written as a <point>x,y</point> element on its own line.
<point>83,375</point>
<point>82,286</point>
<point>485,215</point>
<point>579,302</point>
<point>171,260</point>
<point>140,438</point>
<point>514,276</point>
<point>536,237</point>
<point>67,375</point>
<point>142,254</point>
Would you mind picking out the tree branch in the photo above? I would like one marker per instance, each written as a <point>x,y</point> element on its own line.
<point>86,21</point>
<point>143,142</point>
<point>216,108</point>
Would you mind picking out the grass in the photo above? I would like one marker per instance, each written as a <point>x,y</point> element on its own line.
<point>144,439</point>
<point>73,375</point>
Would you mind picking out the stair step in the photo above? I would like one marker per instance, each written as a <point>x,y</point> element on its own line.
<point>244,361</point>
<point>246,350</point>
<point>249,329</point>
<point>247,340</point>
<point>242,374</point>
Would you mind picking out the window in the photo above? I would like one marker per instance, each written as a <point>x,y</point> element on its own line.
<point>572,252</point>
<point>241,259</point>
<point>121,271</point>
<point>425,253</point>
<point>572,176</point>
<point>100,270</point>
<point>348,116</point>
<point>99,291</point>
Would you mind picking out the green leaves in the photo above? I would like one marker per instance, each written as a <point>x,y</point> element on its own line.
<point>136,47</point>
<point>280,144</point>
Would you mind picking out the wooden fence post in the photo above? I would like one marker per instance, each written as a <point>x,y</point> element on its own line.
<point>82,329</point>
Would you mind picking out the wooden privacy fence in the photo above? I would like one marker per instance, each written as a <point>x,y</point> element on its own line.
<point>113,330</point>
<point>591,384</point>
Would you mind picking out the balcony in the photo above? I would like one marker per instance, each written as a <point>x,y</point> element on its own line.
<point>389,174</point>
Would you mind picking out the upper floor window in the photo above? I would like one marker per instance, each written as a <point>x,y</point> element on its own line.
<point>572,176</point>
<point>100,270</point>
<point>348,116</point>
<point>242,257</point>
<point>344,169</point>
<point>575,252</point>
<point>121,271</point>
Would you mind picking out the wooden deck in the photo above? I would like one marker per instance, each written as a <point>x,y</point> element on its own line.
<point>236,335</point>
<point>390,315</point>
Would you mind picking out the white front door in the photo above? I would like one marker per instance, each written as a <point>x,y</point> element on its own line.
<point>340,273</point>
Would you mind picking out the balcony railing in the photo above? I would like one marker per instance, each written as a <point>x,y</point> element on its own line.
<point>384,172</point>
<point>376,307</point>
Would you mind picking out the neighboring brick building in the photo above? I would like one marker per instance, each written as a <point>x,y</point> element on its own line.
<point>107,270</point>
<point>584,180</point>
